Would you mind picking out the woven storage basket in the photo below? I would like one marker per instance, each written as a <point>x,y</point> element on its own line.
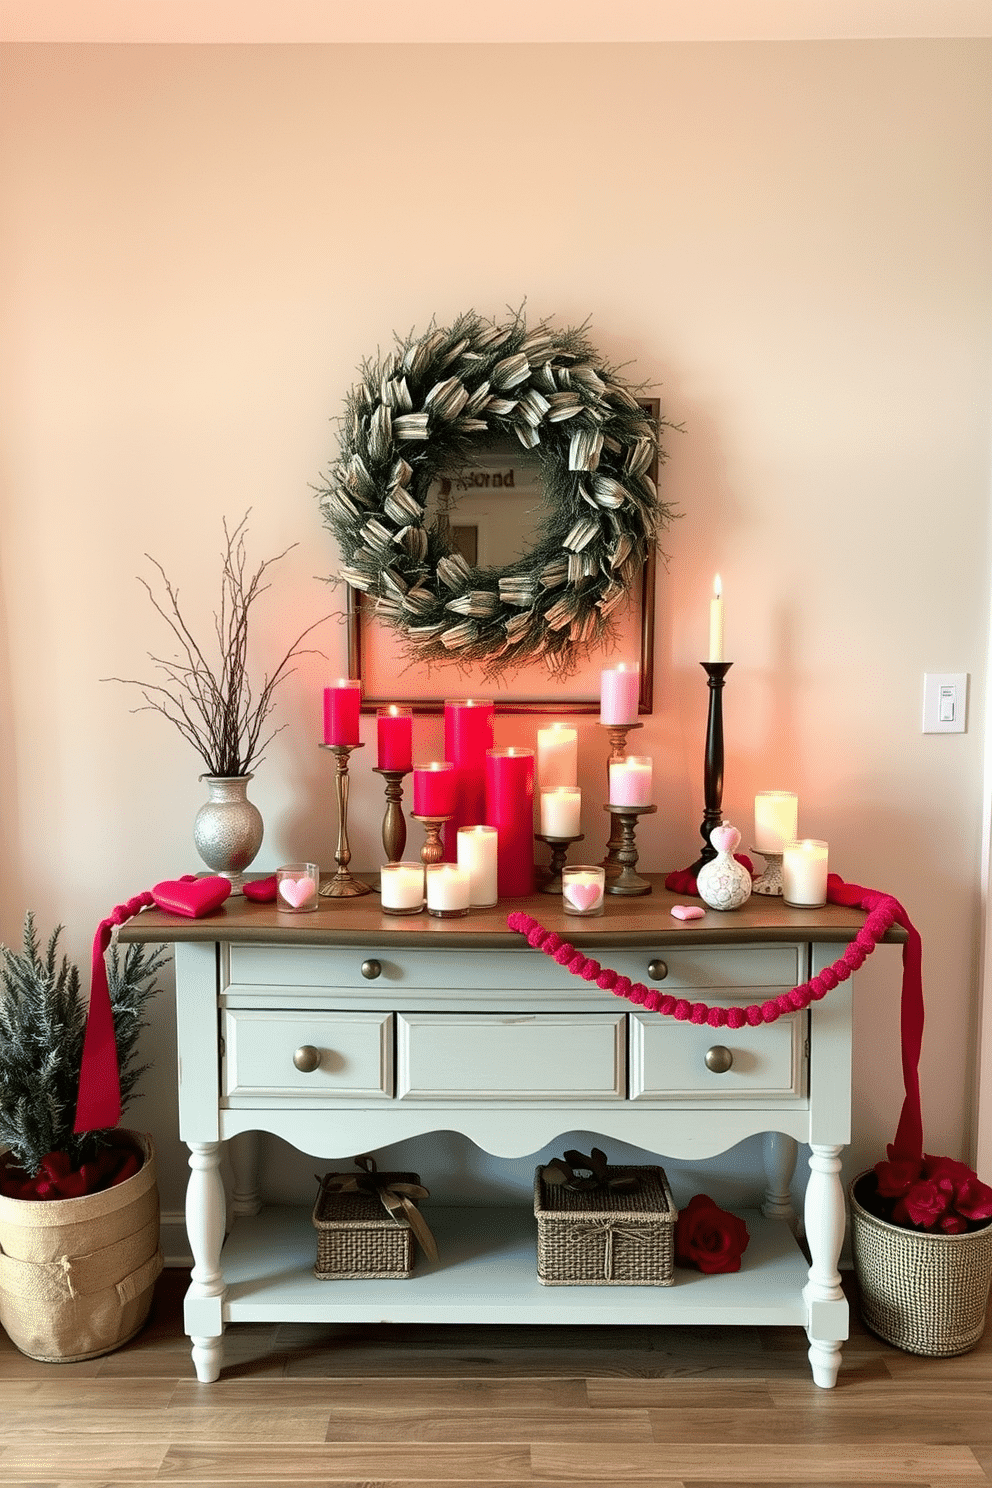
<point>596,1237</point>
<point>357,1237</point>
<point>924,1293</point>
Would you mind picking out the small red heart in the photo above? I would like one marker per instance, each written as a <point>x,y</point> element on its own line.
<point>194,897</point>
<point>262,890</point>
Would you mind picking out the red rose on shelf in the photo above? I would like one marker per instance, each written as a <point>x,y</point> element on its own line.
<point>709,1238</point>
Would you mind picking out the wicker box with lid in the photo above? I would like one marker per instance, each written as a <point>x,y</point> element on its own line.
<point>357,1236</point>
<point>607,1236</point>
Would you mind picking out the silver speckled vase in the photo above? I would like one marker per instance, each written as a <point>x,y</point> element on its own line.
<point>228,828</point>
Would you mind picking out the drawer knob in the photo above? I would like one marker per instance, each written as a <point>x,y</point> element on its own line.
<point>307,1059</point>
<point>371,969</point>
<point>657,970</point>
<point>719,1059</point>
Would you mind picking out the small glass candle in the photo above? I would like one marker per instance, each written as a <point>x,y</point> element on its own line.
<point>434,788</point>
<point>583,888</point>
<point>394,736</point>
<point>477,852</point>
<point>630,781</point>
<point>776,817</point>
<point>402,888</point>
<point>342,706</point>
<point>804,874</point>
<point>297,887</point>
<point>557,756</point>
<point>448,890</point>
<point>561,811</point>
<point>619,690</point>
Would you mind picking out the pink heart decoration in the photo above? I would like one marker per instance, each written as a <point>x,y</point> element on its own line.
<point>297,891</point>
<point>725,838</point>
<point>687,911</point>
<point>194,897</point>
<point>583,896</point>
<point>261,890</point>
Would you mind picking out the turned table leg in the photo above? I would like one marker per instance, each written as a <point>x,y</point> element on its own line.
<point>827,1308</point>
<point>780,1153</point>
<point>205,1224</point>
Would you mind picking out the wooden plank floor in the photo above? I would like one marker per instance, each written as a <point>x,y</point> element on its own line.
<point>373,1407</point>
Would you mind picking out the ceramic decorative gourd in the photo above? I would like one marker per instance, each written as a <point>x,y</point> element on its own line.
<point>723,883</point>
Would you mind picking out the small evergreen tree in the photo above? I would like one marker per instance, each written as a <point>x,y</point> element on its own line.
<point>42,1023</point>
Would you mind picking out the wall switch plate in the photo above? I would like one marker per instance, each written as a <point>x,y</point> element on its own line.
<point>945,702</point>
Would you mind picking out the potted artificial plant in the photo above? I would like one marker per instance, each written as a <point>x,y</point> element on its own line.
<point>79,1211</point>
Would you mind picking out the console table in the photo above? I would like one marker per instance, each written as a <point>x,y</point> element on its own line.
<point>347,1029</point>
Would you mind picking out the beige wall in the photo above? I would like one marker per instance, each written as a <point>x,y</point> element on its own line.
<point>790,241</point>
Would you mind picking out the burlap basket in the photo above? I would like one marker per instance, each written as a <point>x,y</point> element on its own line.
<point>606,1237</point>
<point>77,1275</point>
<point>925,1293</point>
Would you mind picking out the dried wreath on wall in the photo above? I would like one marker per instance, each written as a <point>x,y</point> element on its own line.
<point>413,418</point>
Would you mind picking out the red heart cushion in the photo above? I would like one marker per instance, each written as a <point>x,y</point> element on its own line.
<point>262,890</point>
<point>191,896</point>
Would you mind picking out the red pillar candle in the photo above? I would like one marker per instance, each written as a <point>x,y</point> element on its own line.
<point>394,734</point>
<point>342,704</point>
<point>510,809</point>
<point>434,788</point>
<point>468,734</point>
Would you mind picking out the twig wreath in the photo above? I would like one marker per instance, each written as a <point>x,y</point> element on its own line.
<point>414,416</point>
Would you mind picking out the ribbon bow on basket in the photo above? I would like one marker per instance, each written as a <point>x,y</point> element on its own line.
<point>395,1192</point>
<point>596,1175</point>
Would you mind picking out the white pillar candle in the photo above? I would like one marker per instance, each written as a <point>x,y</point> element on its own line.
<point>557,756</point>
<point>447,889</point>
<point>561,811</point>
<point>716,621</point>
<point>402,887</point>
<point>619,691</point>
<point>776,817</point>
<point>804,874</point>
<point>477,852</point>
<point>630,781</point>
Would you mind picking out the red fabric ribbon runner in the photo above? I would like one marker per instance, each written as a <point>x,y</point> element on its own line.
<point>883,911</point>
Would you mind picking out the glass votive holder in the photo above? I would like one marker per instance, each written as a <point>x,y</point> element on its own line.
<point>297,887</point>
<point>448,890</point>
<point>583,887</point>
<point>477,852</point>
<point>804,874</point>
<point>401,887</point>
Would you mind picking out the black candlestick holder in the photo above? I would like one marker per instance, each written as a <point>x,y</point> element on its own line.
<point>394,822</point>
<point>617,734</point>
<point>628,881</point>
<point>559,852</point>
<point>343,885</point>
<point>433,848</point>
<point>716,671</point>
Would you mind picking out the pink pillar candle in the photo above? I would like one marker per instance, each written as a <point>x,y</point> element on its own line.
<point>468,734</point>
<point>557,756</point>
<point>510,809</point>
<point>561,811</point>
<point>630,781</point>
<point>342,704</point>
<point>619,691</point>
<point>394,735</point>
<point>434,788</point>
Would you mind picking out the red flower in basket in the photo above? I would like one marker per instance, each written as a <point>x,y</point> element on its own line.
<point>709,1238</point>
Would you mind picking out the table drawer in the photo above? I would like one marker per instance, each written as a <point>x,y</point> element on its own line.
<point>511,1056</point>
<point>669,1060</point>
<point>353,1052</point>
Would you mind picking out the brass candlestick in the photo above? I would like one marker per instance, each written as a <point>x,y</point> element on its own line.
<point>394,822</point>
<point>559,852</point>
<point>617,735</point>
<point>433,848</point>
<point>343,885</point>
<point>628,881</point>
<point>716,671</point>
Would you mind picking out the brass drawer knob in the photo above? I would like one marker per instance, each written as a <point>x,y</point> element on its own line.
<point>371,969</point>
<point>657,970</point>
<point>719,1059</point>
<point>307,1059</point>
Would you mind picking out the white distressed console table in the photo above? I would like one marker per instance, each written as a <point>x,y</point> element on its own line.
<point>347,1029</point>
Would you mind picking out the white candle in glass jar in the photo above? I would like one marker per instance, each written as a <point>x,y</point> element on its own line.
<point>401,885</point>
<point>447,887</point>
<point>557,756</point>
<point>561,811</point>
<point>630,781</point>
<point>804,874</point>
<point>477,853</point>
<point>776,818</point>
<point>583,887</point>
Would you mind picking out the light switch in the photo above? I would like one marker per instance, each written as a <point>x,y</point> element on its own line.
<point>945,702</point>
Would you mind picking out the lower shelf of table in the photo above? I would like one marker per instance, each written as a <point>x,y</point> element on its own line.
<point>487,1273</point>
